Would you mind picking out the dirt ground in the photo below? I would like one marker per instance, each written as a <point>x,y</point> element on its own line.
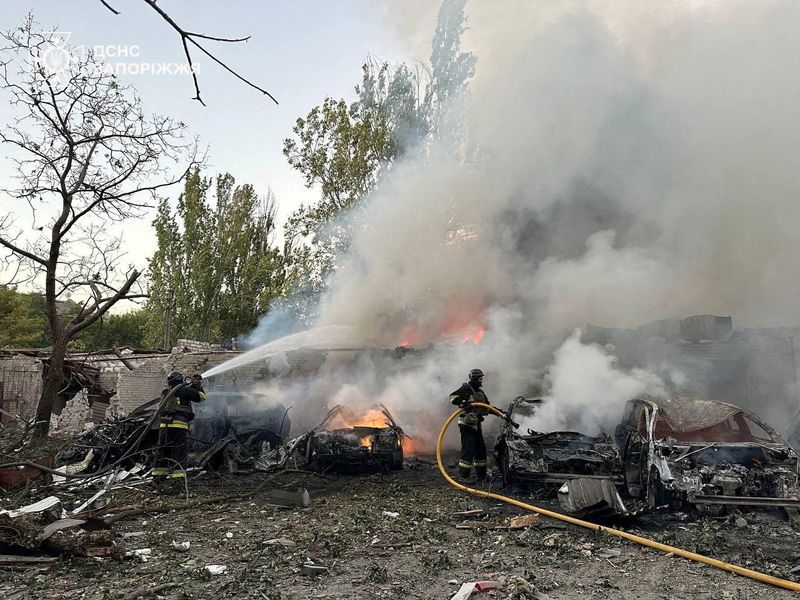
<point>370,552</point>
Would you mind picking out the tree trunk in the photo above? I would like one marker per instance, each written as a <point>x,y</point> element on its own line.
<point>52,384</point>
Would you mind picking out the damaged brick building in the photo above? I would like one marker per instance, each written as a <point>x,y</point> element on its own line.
<point>102,383</point>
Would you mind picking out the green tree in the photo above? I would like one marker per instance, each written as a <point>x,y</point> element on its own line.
<point>113,331</point>
<point>451,70</point>
<point>346,150</point>
<point>216,268</point>
<point>22,319</point>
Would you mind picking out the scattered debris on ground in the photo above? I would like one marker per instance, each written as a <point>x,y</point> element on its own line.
<point>349,544</point>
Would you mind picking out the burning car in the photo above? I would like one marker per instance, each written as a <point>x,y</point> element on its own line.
<point>344,441</point>
<point>551,458</point>
<point>678,451</point>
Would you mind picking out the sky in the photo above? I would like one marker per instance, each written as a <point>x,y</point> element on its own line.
<point>300,51</point>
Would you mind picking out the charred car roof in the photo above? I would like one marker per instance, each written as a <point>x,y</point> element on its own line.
<point>702,419</point>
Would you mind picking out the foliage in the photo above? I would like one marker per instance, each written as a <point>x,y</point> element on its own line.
<point>346,150</point>
<point>216,268</point>
<point>23,324</point>
<point>114,331</point>
<point>451,69</point>
<point>22,319</point>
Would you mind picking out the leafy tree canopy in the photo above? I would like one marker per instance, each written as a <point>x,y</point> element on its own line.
<point>216,269</point>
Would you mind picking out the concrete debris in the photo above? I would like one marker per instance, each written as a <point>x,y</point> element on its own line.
<point>280,542</point>
<point>519,588</point>
<point>181,546</point>
<point>141,553</point>
<point>286,498</point>
<point>216,569</point>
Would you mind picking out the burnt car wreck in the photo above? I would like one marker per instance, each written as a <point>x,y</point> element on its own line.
<point>534,458</point>
<point>230,431</point>
<point>346,442</point>
<point>703,453</point>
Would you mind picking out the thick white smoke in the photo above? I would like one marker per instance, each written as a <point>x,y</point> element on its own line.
<point>631,165</point>
<point>587,390</point>
<point>628,162</point>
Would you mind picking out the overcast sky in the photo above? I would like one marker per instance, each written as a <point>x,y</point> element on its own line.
<point>300,50</point>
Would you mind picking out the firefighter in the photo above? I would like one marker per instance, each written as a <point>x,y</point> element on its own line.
<point>473,448</point>
<point>173,433</point>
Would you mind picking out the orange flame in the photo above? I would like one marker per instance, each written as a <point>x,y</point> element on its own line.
<point>365,442</point>
<point>373,418</point>
<point>472,332</point>
<point>346,419</point>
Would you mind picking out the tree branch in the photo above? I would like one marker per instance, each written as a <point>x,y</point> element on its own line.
<point>188,36</point>
<point>17,250</point>
<point>109,7</point>
<point>101,307</point>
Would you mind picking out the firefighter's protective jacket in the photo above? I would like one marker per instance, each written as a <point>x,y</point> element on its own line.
<point>180,405</point>
<point>472,416</point>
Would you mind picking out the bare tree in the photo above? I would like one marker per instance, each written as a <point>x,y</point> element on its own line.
<point>86,156</point>
<point>197,40</point>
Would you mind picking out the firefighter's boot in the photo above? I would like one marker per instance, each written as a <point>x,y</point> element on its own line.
<point>480,473</point>
<point>463,473</point>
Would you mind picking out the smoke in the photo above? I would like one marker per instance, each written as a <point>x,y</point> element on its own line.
<point>627,162</point>
<point>587,391</point>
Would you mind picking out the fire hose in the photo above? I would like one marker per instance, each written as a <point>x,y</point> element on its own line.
<point>762,577</point>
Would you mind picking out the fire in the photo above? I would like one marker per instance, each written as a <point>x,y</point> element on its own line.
<point>365,442</point>
<point>373,418</point>
<point>411,447</point>
<point>345,418</point>
<point>475,336</point>
<point>456,330</point>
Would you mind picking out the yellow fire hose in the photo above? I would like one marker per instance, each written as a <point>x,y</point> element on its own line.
<point>789,585</point>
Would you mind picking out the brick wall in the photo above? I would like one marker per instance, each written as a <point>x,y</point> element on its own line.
<point>76,415</point>
<point>195,346</point>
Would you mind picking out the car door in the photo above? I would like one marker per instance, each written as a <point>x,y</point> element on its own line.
<point>635,457</point>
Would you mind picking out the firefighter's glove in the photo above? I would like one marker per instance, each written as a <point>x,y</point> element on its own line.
<point>466,404</point>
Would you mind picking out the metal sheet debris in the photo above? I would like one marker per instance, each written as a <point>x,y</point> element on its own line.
<point>596,498</point>
<point>50,504</point>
